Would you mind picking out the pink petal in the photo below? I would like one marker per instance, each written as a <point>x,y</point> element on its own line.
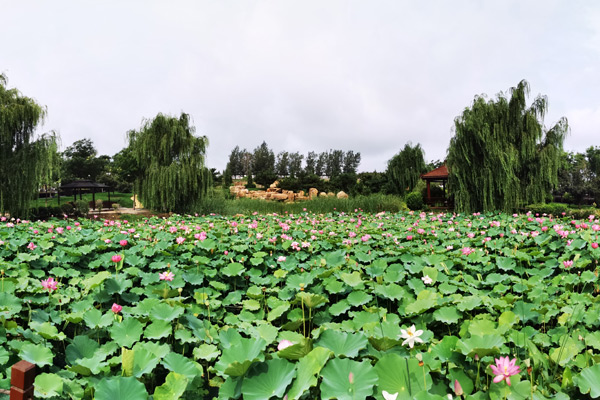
<point>508,381</point>
<point>498,378</point>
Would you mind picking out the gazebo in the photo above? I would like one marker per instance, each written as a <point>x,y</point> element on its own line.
<point>77,187</point>
<point>439,175</point>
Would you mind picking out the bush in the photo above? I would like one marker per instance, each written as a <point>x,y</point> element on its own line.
<point>82,208</point>
<point>67,208</point>
<point>555,209</point>
<point>414,201</point>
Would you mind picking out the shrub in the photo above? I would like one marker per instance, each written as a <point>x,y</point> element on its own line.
<point>82,208</point>
<point>99,204</point>
<point>414,201</point>
<point>555,209</point>
<point>67,208</point>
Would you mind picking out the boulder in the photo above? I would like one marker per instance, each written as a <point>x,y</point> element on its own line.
<point>342,195</point>
<point>322,194</point>
<point>274,184</point>
<point>330,194</point>
<point>312,193</point>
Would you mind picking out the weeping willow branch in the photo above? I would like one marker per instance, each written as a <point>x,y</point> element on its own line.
<point>171,163</point>
<point>405,168</point>
<point>25,163</point>
<point>501,156</point>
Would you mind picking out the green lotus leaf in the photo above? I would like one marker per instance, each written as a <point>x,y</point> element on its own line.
<point>311,300</point>
<point>403,376</point>
<point>447,315</point>
<point>206,352</point>
<point>158,329</point>
<point>173,388</point>
<point>48,386</point>
<point>352,279</point>
<point>119,387</point>
<point>233,269</point>
<point>480,345</point>
<point>36,354</point>
<point>81,347</point>
<point>339,308</point>
<point>345,379</point>
<point>335,259</point>
<point>95,319</point>
<point>425,300</point>
<point>278,311</point>
<point>182,365</point>
<point>358,298</point>
<point>47,330</point>
<point>94,280</point>
<point>268,379</point>
<point>342,343</point>
<point>165,312</point>
<point>126,333</point>
<point>297,350</point>
<point>588,381</point>
<point>236,360</point>
<point>9,305</point>
<point>308,368</point>
<point>127,357</point>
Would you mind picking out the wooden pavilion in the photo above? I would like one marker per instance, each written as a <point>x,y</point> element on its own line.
<point>78,187</point>
<point>438,175</point>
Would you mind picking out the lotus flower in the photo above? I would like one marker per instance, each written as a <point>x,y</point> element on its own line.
<point>116,308</point>
<point>504,369</point>
<point>411,335</point>
<point>389,396</point>
<point>50,284</point>
<point>116,258</point>
<point>283,344</point>
<point>427,280</point>
<point>166,276</point>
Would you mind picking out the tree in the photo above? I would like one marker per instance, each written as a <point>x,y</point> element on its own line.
<point>80,161</point>
<point>405,168</point>
<point>124,170</point>
<point>295,164</point>
<point>311,163</point>
<point>264,165</point>
<point>321,164</point>
<point>25,162</point>
<point>351,162</point>
<point>235,162</point>
<point>501,156</point>
<point>171,160</point>
<point>335,163</point>
<point>283,164</point>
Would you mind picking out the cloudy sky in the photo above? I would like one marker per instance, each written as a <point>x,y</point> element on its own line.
<point>301,75</point>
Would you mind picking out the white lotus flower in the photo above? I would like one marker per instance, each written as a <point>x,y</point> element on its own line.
<point>427,280</point>
<point>389,396</point>
<point>411,335</point>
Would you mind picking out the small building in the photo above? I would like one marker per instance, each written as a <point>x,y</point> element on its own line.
<point>79,187</point>
<point>438,175</point>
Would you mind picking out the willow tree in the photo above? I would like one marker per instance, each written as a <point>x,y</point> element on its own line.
<point>405,168</point>
<point>26,161</point>
<point>501,156</point>
<point>170,158</point>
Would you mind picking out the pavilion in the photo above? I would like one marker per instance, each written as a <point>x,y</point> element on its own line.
<point>438,175</point>
<point>77,187</point>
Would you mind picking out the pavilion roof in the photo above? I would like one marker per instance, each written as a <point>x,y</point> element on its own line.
<point>438,173</point>
<point>83,184</point>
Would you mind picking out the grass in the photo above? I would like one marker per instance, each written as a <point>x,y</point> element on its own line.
<point>373,203</point>
<point>124,199</point>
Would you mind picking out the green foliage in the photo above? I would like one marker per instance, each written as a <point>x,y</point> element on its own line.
<point>414,201</point>
<point>25,163</point>
<point>555,209</point>
<point>501,157</point>
<point>80,161</point>
<point>405,168</point>
<point>171,159</point>
<point>250,184</point>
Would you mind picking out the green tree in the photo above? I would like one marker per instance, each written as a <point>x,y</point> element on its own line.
<point>311,163</point>
<point>171,160</point>
<point>80,161</point>
<point>501,157</point>
<point>405,168</point>
<point>124,170</point>
<point>351,162</point>
<point>26,162</point>
<point>282,166</point>
<point>263,165</point>
<point>295,164</point>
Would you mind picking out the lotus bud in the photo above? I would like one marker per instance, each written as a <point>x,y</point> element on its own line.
<point>458,390</point>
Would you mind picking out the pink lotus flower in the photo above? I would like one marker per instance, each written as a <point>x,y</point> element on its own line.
<point>283,344</point>
<point>594,245</point>
<point>568,263</point>
<point>123,242</point>
<point>458,390</point>
<point>31,246</point>
<point>504,369</point>
<point>116,308</point>
<point>116,258</point>
<point>467,250</point>
<point>180,240</point>
<point>166,276</point>
<point>281,259</point>
<point>50,284</point>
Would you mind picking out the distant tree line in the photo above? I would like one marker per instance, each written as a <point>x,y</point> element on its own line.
<point>265,167</point>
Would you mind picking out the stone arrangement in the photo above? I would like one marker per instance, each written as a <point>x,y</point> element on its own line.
<point>275,193</point>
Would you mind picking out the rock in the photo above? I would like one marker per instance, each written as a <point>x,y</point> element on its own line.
<point>330,194</point>
<point>274,184</point>
<point>312,193</point>
<point>342,195</point>
<point>322,194</point>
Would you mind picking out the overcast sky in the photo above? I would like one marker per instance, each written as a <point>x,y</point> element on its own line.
<point>301,75</point>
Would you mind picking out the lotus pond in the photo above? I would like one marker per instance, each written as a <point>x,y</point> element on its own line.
<point>305,306</point>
